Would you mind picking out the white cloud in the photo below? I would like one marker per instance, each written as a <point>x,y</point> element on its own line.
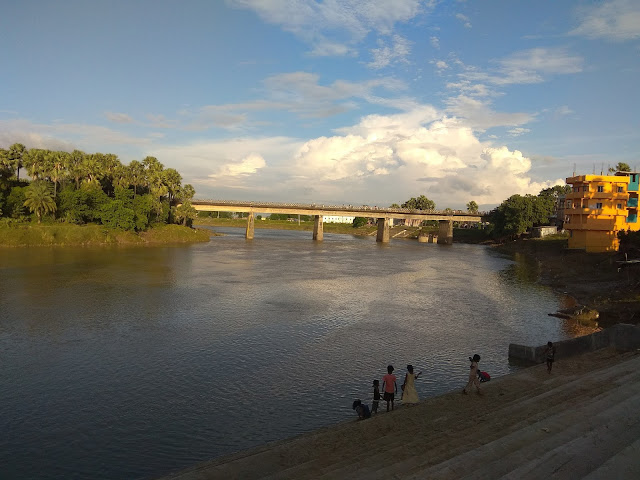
<point>516,132</point>
<point>349,20</point>
<point>617,20</point>
<point>562,111</point>
<point>479,115</point>
<point>435,42</point>
<point>246,166</point>
<point>471,89</point>
<point>386,55</point>
<point>296,92</point>
<point>67,136</point>
<point>400,156</point>
<point>528,66</point>
<point>217,168</point>
<point>116,117</point>
<point>464,19</point>
<point>441,65</point>
<point>379,160</point>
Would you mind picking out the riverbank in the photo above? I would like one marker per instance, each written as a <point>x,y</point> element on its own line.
<point>593,279</point>
<point>581,420</point>
<point>27,235</point>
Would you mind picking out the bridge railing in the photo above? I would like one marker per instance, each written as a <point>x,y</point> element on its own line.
<point>315,206</point>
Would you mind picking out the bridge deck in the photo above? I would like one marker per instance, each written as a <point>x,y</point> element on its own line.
<point>330,210</point>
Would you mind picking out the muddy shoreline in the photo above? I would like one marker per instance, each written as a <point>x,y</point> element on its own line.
<point>594,280</point>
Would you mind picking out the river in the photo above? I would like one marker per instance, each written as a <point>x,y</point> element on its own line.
<point>136,362</point>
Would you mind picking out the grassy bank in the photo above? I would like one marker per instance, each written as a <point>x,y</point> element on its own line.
<point>27,235</point>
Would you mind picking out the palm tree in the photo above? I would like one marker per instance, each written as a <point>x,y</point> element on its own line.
<point>16,152</point>
<point>57,162</point>
<point>39,199</point>
<point>136,175</point>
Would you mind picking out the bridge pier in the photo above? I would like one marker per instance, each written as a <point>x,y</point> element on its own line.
<point>383,230</point>
<point>318,233</point>
<point>250,227</point>
<point>445,234</point>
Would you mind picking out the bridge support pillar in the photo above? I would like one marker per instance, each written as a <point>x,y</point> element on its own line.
<point>250,227</point>
<point>383,230</point>
<point>445,234</point>
<point>318,233</point>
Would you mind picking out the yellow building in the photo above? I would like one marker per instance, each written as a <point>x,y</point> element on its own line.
<point>598,207</point>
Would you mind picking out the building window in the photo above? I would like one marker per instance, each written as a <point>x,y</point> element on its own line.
<point>568,204</point>
<point>620,189</point>
<point>567,219</point>
<point>600,188</point>
<point>585,188</point>
<point>598,206</point>
<point>619,206</point>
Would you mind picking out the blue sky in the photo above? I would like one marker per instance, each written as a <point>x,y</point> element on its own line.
<point>335,101</point>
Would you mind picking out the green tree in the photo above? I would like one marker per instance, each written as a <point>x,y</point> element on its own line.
<point>359,222</point>
<point>472,207</point>
<point>136,175</point>
<point>39,199</point>
<point>75,166</point>
<point>115,214</point>
<point>15,202</point>
<point>620,167</point>
<point>57,161</point>
<point>556,191</point>
<point>420,203</point>
<point>172,180</point>
<point>185,213</point>
<point>15,155</point>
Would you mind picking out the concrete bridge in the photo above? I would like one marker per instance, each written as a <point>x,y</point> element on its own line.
<point>383,215</point>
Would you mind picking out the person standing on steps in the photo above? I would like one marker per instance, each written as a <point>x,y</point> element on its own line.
<point>389,386</point>
<point>473,375</point>
<point>376,396</point>
<point>550,353</point>
<point>409,393</point>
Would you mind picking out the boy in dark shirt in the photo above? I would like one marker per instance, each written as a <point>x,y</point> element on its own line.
<point>376,396</point>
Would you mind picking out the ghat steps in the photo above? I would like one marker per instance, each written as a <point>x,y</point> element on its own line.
<point>581,421</point>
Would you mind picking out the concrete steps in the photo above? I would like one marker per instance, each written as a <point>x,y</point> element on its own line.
<point>579,422</point>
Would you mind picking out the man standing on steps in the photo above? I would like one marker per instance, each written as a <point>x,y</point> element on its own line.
<point>473,375</point>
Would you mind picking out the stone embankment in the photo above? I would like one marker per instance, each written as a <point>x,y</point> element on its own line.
<point>579,422</point>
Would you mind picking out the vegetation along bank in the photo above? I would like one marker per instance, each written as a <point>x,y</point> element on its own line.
<point>83,198</point>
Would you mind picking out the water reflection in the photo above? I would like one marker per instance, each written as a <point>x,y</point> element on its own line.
<point>138,361</point>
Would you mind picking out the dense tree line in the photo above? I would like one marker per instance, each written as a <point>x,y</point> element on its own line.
<point>519,213</point>
<point>80,187</point>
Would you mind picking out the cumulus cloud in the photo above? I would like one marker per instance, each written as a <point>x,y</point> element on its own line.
<point>435,42</point>
<point>347,20</point>
<point>406,154</point>
<point>617,20</point>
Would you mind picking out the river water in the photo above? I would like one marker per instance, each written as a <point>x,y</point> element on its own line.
<point>136,362</point>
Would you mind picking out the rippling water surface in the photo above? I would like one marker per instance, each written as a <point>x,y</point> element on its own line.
<point>135,362</point>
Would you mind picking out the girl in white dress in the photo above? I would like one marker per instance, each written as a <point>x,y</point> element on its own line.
<point>409,393</point>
